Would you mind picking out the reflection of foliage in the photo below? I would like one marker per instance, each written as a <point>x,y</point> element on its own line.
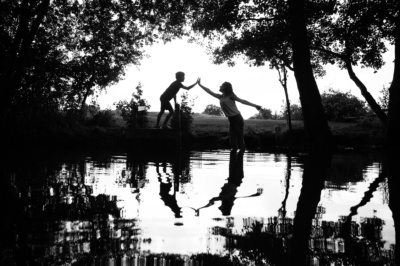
<point>130,112</point>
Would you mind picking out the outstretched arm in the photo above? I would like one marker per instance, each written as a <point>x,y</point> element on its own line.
<point>246,102</point>
<point>191,86</point>
<point>216,95</point>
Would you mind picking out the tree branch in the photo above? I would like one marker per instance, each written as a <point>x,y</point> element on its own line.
<point>321,49</point>
<point>368,97</point>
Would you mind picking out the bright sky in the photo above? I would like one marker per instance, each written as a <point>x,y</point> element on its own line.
<point>259,85</point>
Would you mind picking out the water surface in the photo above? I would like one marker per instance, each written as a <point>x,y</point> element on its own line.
<point>128,207</point>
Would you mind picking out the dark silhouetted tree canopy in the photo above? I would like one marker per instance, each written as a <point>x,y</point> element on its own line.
<point>58,52</point>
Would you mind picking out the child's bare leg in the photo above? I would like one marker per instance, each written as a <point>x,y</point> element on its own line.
<point>159,118</point>
<point>167,118</point>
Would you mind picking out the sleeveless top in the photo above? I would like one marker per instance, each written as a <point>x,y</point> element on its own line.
<point>228,106</point>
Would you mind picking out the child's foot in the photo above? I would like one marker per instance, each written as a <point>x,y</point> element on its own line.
<point>166,127</point>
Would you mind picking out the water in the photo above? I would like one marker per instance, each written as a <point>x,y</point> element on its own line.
<point>124,208</point>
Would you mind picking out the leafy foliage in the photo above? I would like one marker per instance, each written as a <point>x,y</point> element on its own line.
<point>212,109</point>
<point>341,105</point>
<point>296,112</point>
<point>76,47</point>
<point>384,98</point>
<point>103,118</point>
<point>130,110</point>
<point>186,113</point>
<point>347,33</point>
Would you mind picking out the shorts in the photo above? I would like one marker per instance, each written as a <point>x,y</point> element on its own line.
<point>166,105</point>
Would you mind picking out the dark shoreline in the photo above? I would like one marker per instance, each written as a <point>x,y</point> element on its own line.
<point>118,139</point>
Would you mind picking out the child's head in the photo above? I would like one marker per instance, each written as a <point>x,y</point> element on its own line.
<point>226,88</point>
<point>180,76</point>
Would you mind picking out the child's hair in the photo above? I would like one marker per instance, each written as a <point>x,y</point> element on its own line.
<point>179,73</point>
<point>228,88</point>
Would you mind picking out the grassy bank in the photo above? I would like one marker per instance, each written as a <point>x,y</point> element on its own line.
<point>212,131</point>
<point>206,132</point>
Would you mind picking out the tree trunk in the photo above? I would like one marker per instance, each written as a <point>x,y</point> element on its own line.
<point>367,96</point>
<point>283,81</point>
<point>289,111</point>
<point>18,53</point>
<point>392,139</point>
<point>315,123</point>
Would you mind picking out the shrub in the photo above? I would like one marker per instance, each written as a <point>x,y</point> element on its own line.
<point>296,113</point>
<point>186,107</point>
<point>341,105</point>
<point>129,111</point>
<point>212,109</point>
<point>104,118</point>
<point>263,114</point>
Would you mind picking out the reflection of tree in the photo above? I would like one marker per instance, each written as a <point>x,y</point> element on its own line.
<point>370,228</point>
<point>392,167</point>
<point>314,176</point>
<point>138,170</point>
<point>282,209</point>
<point>181,168</point>
<point>270,242</point>
<point>323,241</point>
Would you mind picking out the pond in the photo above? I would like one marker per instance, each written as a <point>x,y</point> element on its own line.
<point>195,207</point>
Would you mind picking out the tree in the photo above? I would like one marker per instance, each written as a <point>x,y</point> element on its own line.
<point>186,113</point>
<point>263,114</point>
<point>341,105</point>
<point>275,31</point>
<point>295,112</point>
<point>354,37</point>
<point>20,22</point>
<point>212,109</point>
<point>315,122</point>
<point>65,50</point>
<point>392,140</point>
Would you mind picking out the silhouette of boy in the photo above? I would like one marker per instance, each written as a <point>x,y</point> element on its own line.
<point>167,96</point>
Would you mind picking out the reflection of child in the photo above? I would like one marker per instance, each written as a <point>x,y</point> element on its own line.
<point>228,191</point>
<point>167,96</point>
<point>168,199</point>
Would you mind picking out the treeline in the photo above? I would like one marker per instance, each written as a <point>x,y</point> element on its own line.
<point>339,107</point>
